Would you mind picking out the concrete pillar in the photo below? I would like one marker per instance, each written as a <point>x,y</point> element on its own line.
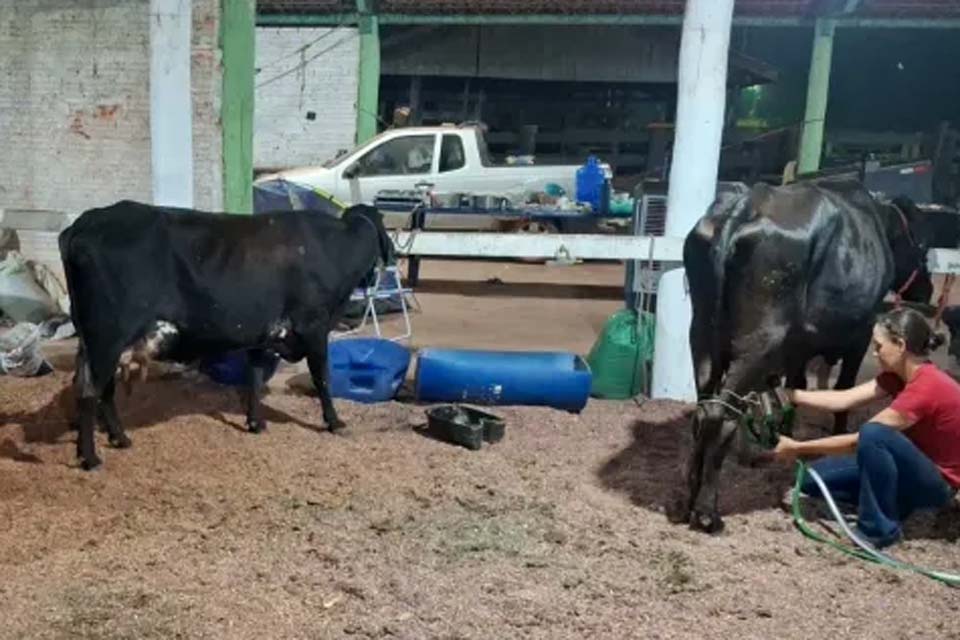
<point>701,100</point>
<point>368,83</point>
<point>237,34</point>
<point>818,88</point>
<point>171,108</point>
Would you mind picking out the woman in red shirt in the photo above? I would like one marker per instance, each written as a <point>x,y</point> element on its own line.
<point>906,457</point>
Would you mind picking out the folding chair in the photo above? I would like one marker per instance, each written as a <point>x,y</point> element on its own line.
<point>386,285</point>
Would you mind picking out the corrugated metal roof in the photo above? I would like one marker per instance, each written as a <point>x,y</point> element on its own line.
<point>760,8</point>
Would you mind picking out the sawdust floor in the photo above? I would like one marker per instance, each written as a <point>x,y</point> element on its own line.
<point>202,530</point>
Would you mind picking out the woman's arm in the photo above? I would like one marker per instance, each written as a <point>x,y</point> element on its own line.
<point>789,449</point>
<point>835,401</point>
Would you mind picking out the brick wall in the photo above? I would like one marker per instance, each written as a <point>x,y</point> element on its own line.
<point>75,104</point>
<point>306,95</point>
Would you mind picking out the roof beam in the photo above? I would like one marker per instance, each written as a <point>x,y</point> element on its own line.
<point>341,19</point>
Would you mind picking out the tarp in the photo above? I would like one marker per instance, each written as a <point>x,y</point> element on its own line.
<point>281,195</point>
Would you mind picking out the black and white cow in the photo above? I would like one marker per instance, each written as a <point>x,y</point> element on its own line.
<point>179,285</point>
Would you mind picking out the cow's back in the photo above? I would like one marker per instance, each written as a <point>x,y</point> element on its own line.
<point>803,262</point>
<point>210,275</point>
<point>851,263</point>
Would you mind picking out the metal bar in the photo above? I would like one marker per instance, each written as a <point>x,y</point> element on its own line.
<point>306,19</point>
<point>368,81</point>
<point>334,19</point>
<point>818,88</point>
<point>578,246</point>
<point>657,20</point>
<point>512,245</point>
<point>899,23</point>
<point>530,19</point>
<point>236,107</point>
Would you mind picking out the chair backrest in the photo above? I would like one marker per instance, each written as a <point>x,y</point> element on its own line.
<point>386,282</point>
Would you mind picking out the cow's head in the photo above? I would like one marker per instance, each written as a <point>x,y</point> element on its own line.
<point>911,279</point>
<point>372,216</point>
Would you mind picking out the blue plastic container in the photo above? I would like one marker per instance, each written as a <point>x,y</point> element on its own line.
<point>532,378</point>
<point>366,369</point>
<point>591,183</point>
<point>231,368</point>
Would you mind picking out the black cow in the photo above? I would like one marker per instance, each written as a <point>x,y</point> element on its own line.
<point>777,276</point>
<point>184,284</point>
<point>936,227</point>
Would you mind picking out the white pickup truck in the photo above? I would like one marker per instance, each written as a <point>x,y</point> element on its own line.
<point>445,159</point>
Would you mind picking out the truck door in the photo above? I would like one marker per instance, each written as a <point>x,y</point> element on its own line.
<point>398,163</point>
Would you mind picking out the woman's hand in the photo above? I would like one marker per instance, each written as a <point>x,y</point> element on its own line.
<point>786,450</point>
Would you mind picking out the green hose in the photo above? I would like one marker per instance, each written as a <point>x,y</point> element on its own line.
<point>863,551</point>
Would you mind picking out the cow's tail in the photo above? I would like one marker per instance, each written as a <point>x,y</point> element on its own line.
<point>722,252</point>
<point>718,259</point>
<point>706,253</point>
<point>66,242</point>
<point>63,243</point>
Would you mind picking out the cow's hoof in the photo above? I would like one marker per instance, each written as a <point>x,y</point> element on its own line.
<point>705,522</point>
<point>677,512</point>
<point>91,464</point>
<point>257,426</point>
<point>336,425</point>
<point>121,442</point>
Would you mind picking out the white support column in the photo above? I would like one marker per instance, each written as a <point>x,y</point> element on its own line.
<point>701,99</point>
<point>171,107</point>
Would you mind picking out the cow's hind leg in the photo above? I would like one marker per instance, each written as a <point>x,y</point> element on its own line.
<point>255,373</point>
<point>716,437</point>
<point>86,397</point>
<point>107,412</point>
<point>719,430</point>
<point>681,505</point>
<point>96,367</point>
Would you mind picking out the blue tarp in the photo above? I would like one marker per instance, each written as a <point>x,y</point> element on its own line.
<point>281,195</point>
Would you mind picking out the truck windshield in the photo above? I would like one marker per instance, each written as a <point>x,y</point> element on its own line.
<point>484,152</point>
<point>336,159</point>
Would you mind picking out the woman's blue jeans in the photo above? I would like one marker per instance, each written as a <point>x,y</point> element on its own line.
<point>888,479</point>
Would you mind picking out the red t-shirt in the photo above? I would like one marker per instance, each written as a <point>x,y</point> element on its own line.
<point>932,399</point>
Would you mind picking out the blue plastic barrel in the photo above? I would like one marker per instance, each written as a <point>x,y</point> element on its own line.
<point>531,378</point>
<point>366,369</point>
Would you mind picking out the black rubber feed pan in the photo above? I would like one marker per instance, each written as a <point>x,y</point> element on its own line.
<point>464,425</point>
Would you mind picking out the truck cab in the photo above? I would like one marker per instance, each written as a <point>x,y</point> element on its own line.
<point>448,158</point>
